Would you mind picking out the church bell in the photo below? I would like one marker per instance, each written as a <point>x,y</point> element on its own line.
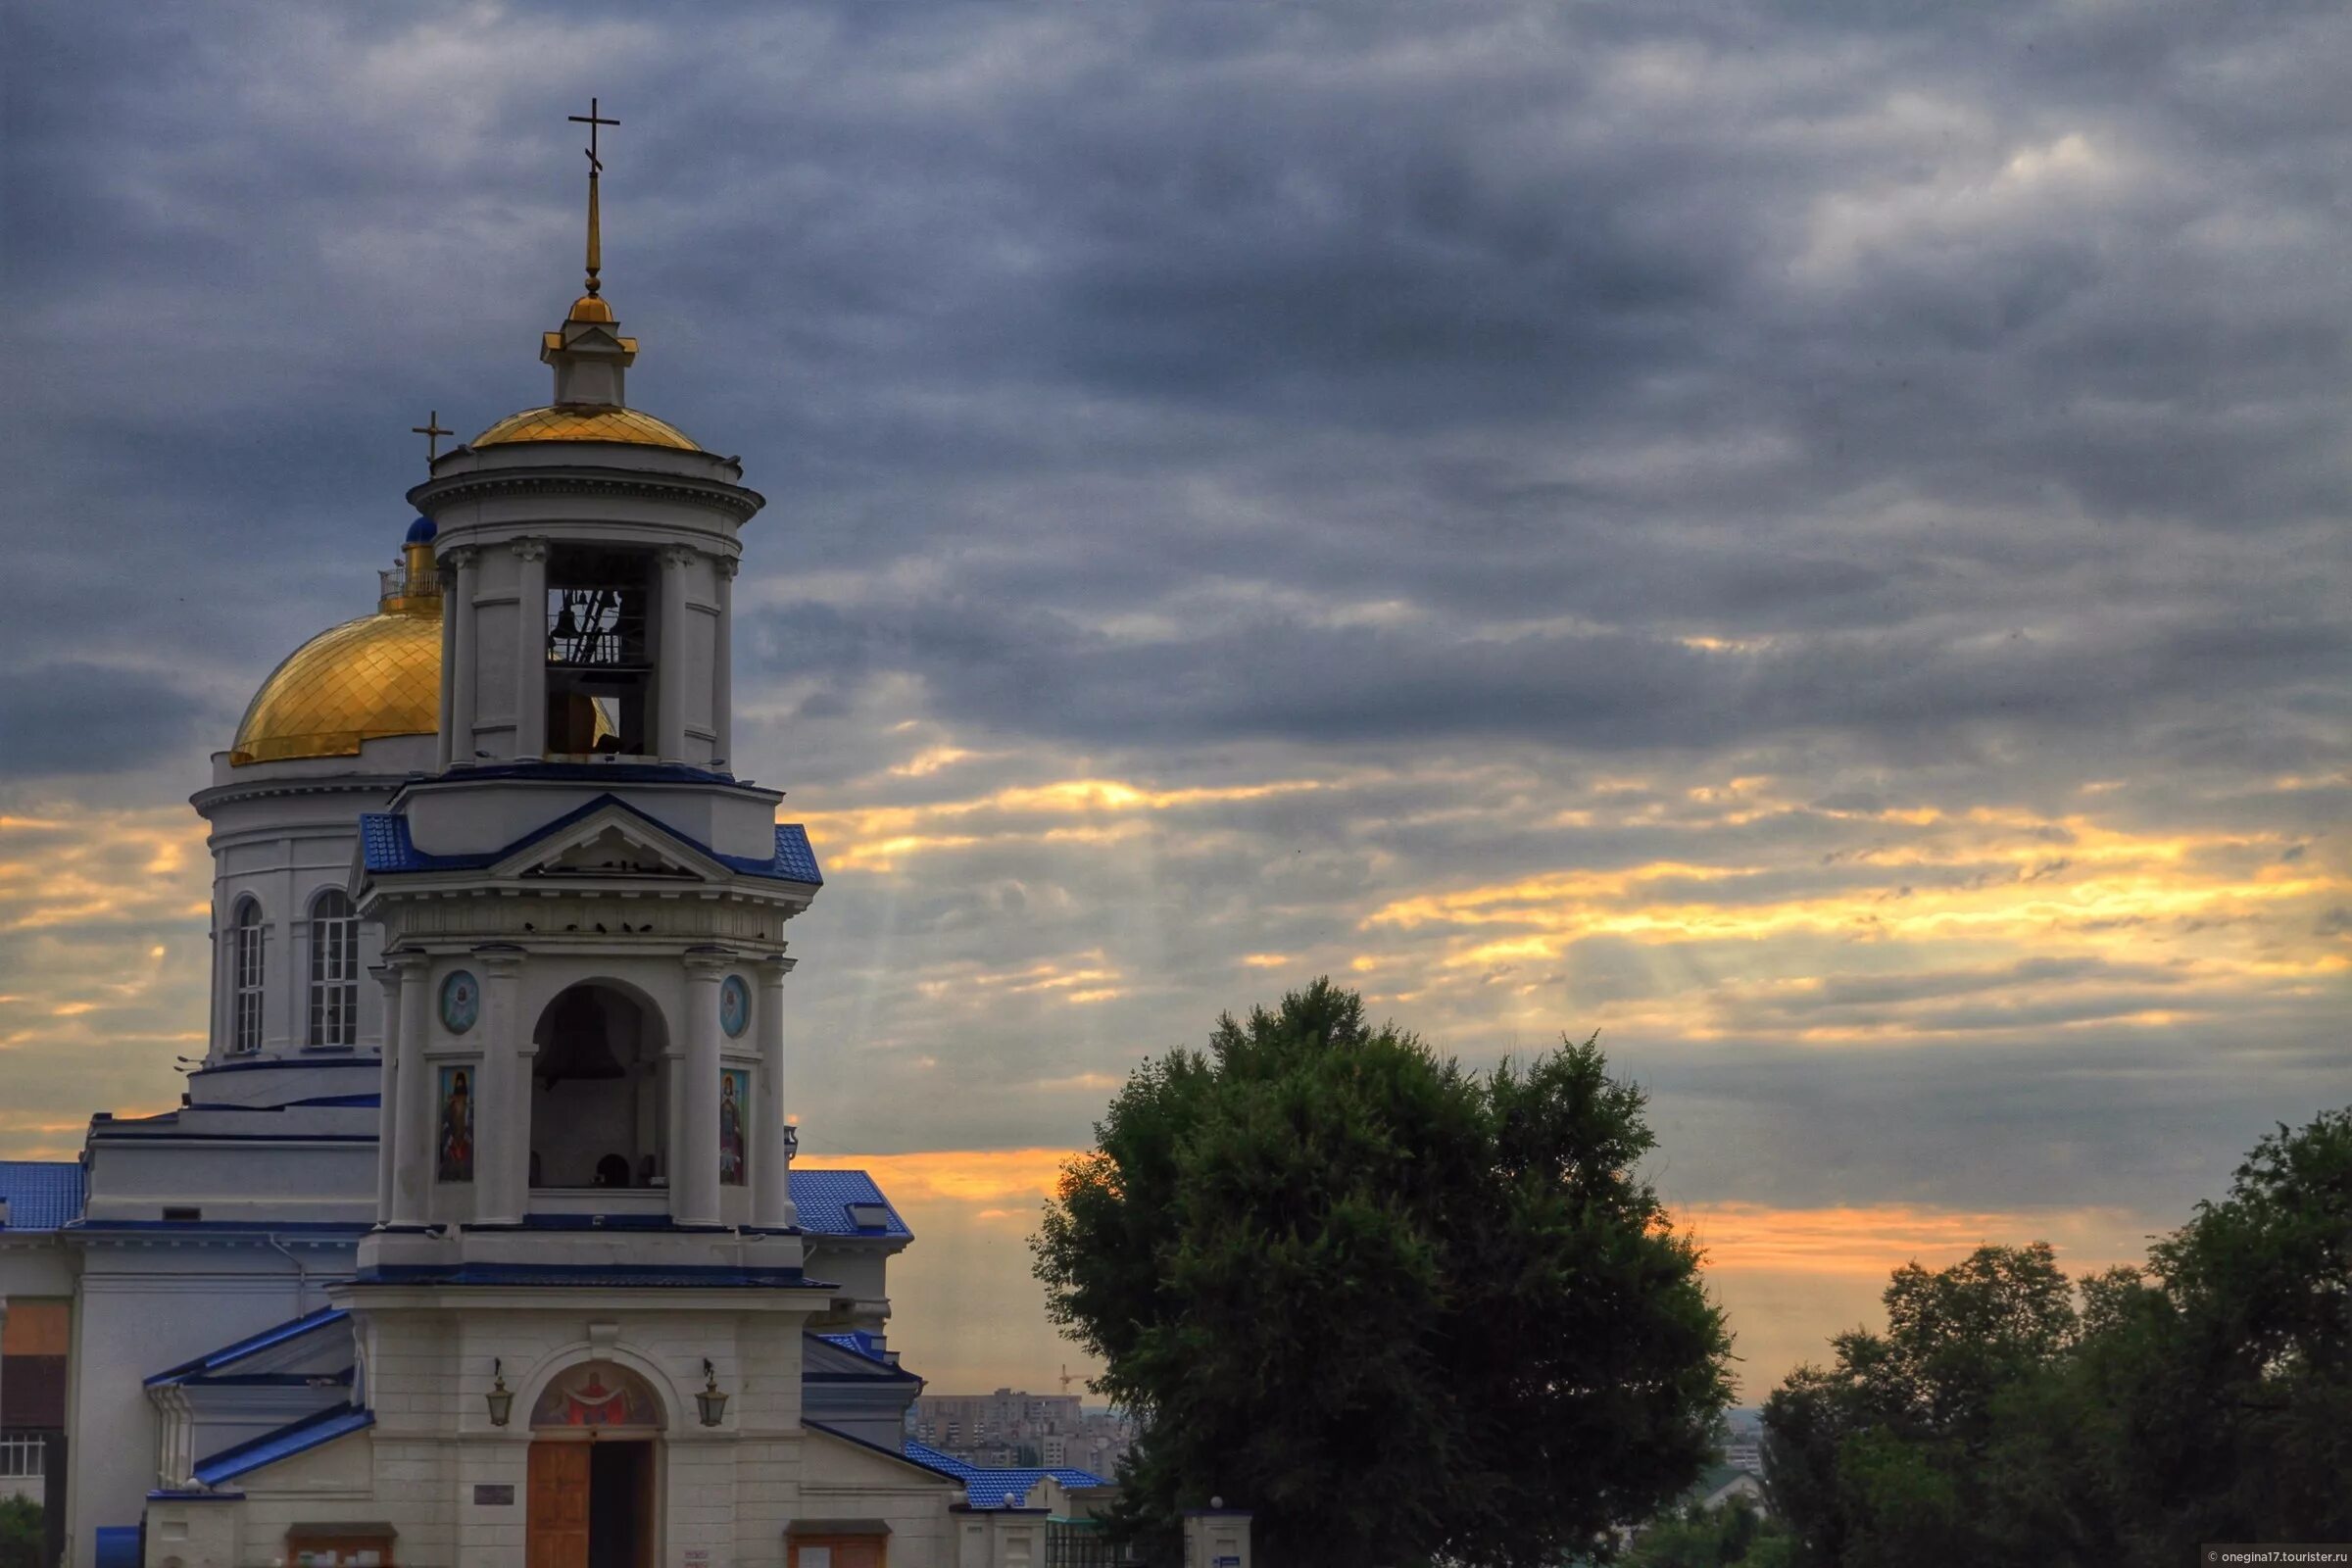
<point>579,1044</point>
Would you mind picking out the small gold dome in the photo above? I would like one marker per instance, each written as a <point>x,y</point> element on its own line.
<point>589,308</point>
<point>586,422</point>
<point>368,678</point>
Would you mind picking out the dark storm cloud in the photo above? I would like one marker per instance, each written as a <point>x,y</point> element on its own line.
<point>64,718</point>
<point>1522,421</point>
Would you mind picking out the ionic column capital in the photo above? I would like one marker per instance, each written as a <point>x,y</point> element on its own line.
<point>531,547</point>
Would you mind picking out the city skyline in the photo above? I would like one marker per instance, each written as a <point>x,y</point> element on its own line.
<point>1810,545</point>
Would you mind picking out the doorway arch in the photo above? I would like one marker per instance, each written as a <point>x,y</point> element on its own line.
<point>600,1100</point>
<point>595,1490</point>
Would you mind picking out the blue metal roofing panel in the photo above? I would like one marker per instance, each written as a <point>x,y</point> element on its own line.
<point>860,1344</point>
<point>823,1198</point>
<point>796,861</point>
<point>997,1489</point>
<point>41,1194</point>
<point>386,847</point>
<point>298,1437</point>
<point>251,1345</point>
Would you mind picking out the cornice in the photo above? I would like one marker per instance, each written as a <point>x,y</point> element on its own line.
<point>568,481</point>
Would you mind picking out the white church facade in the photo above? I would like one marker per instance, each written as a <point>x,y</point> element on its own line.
<point>475,1236</point>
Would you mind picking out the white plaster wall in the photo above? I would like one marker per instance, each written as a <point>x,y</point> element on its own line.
<point>464,816</point>
<point>145,1307</point>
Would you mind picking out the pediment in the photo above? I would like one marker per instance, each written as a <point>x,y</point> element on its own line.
<point>609,844</point>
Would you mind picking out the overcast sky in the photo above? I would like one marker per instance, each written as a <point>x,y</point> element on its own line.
<point>1811,541</point>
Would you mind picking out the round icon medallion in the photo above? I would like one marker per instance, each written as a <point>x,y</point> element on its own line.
<point>461,1001</point>
<point>734,1006</point>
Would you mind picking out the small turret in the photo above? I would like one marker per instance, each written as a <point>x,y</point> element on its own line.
<point>414,587</point>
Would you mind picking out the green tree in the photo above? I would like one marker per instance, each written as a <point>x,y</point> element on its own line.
<point>1403,1311</point>
<point>2207,1396</point>
<point>1879,1458</point>
<point>20,1538</point>
<point>1711,1538</point>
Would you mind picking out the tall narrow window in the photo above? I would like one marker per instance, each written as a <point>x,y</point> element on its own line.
<point>248,959</point>
<point>334,970</point>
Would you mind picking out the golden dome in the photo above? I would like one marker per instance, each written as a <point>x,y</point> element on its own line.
<point>375,676</point>
<point>586,422</point>
<point>589,308</point>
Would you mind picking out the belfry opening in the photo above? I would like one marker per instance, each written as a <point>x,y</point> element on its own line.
<point>599,1104</point>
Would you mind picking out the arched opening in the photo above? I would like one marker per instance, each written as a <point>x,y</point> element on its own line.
<point>594,1503</point>
<point>599,1113</point>
<point>334,1009</point>
<point>245,961</point>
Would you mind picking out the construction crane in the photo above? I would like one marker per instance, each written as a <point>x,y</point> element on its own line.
<point>1066,1378</point>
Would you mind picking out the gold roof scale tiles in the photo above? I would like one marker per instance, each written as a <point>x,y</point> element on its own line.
<point>363,680</point>
<point>587,421</point>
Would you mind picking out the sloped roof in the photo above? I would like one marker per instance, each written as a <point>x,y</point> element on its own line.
<point>387,849</point>
<point>296,1436</point>
<point>41,1195</point>
<point>999,1489</point>
<point>251,1345</point>
<point>823,1198</point>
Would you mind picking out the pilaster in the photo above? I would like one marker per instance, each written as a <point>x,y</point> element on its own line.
<point>501,1138</point>
<point>771,1190</point>
<point>694,1158</point>
<point>409,1122</point>
<point>458,720</point>
<point>722,666</point>
<point>531,648</point>
<point>387,1142</point>
<point>670,701</point>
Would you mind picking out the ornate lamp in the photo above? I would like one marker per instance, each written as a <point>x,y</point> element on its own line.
<point>712,1402</point>
<point>499,1398</point>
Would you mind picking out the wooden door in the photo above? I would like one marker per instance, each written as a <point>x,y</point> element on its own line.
<point>839,1552</point>
<point>558,1535</point>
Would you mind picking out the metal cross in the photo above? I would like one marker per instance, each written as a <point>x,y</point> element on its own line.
<point>592,120</point>
<point>433,432</point>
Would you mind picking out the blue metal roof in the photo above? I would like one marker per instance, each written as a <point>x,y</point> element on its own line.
<point>861,1344</point>
<point>999,1489</point>
<point>387,847</point>
<point>823,1198</point>
<point>298,1437</point>
<point>41,1194</point>
<point>251,1345</point>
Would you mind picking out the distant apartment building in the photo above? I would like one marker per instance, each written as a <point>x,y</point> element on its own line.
<point>1012,1427</point>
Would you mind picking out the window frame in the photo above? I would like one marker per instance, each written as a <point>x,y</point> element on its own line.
<point>248,975</point>
<point>331,1008</point>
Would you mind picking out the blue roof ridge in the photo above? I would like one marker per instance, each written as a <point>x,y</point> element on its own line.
<point>251,1345</point>
<point>386,845</point>
<point>283,1442</point>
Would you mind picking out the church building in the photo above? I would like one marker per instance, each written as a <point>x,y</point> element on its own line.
<point>474,1237</point>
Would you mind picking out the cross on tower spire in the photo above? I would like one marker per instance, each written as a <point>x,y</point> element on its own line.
<point>595,252</point>
<point>433,432</point>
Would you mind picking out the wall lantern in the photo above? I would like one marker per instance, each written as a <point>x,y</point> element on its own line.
<point>499,1398</point>
<point>712,1403</point>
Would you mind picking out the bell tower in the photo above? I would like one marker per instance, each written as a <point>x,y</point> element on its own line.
<point>582,907</point>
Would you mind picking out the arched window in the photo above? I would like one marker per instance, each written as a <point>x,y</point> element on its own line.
<point>246,955</point>
<point>334,970</point>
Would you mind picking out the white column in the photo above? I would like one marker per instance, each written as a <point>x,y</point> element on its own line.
<point>459,720</point>
<point>722,666</point>
<point>694,1158</point>
<point>771,1187</point>
<point>448,661</point>
<point>502,1112</point>
<point>530,649</point>
<point>413,1153</point>
<point>387,1115</point>
<point>670,701</point>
